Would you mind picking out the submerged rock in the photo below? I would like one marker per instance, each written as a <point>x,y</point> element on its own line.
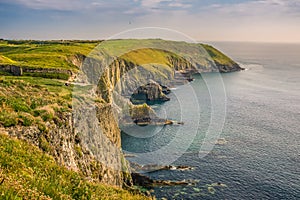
<point>154,167</point>
<point>145,181</point>
<point>221,141</point>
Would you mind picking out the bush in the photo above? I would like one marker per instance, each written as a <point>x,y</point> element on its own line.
<point>37,113</point>
<point>8,119</point>
<point>42,127</point>
<point>26,119</point>
<point>47,116</point>
<point>44,144</point>
<point>18,104</point>
<point>61,76</point>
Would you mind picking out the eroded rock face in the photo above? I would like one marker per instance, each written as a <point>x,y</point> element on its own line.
<point>229,68</point>
<point>150,93</point>
<point>97,156</point>
<point>77,59</point>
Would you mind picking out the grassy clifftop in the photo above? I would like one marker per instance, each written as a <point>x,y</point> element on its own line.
<point>62,54</point>
<point>27,101</point>
<point>32,100</point>
<point>43,54</point>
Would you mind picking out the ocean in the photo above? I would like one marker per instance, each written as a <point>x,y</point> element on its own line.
<point>256,153</point>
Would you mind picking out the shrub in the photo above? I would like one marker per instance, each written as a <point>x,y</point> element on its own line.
<point>18,104</point>
<point>42,127</point>
<point>8,119</point>
<point>61,76</point>
<point>47,116</point>
<point>37,113</point>
<point>26,119</point>
<point>44,144</point>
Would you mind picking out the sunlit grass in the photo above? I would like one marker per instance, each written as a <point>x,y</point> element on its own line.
<point>28,173</point>
<point>31,100</point>
<point>43,54</point>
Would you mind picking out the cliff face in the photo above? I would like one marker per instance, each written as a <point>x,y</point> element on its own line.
<point>128,77</point>
<point>97,156</point>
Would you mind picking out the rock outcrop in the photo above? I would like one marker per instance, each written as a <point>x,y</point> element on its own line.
<point>150,94</point>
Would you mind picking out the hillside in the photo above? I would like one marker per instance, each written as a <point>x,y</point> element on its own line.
<point>28,173</point>
<point>36,106</point>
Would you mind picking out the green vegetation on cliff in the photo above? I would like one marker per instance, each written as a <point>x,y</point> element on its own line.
<point>218,56</point>
<point>28,173</point>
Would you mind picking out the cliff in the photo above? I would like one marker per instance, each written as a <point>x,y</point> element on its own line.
<point>40,110</point>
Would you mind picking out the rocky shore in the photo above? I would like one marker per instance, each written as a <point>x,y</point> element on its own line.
<point>140,178</point>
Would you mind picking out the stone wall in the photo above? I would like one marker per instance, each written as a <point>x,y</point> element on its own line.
<point>18,70</point>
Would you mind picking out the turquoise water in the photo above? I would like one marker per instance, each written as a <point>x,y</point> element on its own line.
<point>258,155</point>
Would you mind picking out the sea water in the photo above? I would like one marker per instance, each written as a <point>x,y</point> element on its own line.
<point>256,155</point>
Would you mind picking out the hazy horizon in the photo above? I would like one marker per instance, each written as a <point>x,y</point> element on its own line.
<point>208,42</point>
<point>275,21</point>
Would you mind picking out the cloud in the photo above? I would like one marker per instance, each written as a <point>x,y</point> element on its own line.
<point>253,6</point>
<point>179,5</point>
<point>128,6</point>
<point>211,20</point>
<point>50,5</point>
<point>73,5</point>
<point>151,3</point>
<point>258,8</point>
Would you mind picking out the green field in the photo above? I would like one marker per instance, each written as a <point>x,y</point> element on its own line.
<point>43,54</point>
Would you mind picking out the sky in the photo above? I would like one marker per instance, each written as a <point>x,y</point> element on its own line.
<point>202,20</point>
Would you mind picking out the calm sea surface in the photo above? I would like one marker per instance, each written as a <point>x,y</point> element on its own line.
<point>257,155</point>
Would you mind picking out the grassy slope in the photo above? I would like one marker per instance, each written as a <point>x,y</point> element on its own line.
<point>5,60</point>
<point>43,55</point>
<point>218,56</point>
<point>32,100</point>
<point>28,173</point>
<point>157,51</point>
